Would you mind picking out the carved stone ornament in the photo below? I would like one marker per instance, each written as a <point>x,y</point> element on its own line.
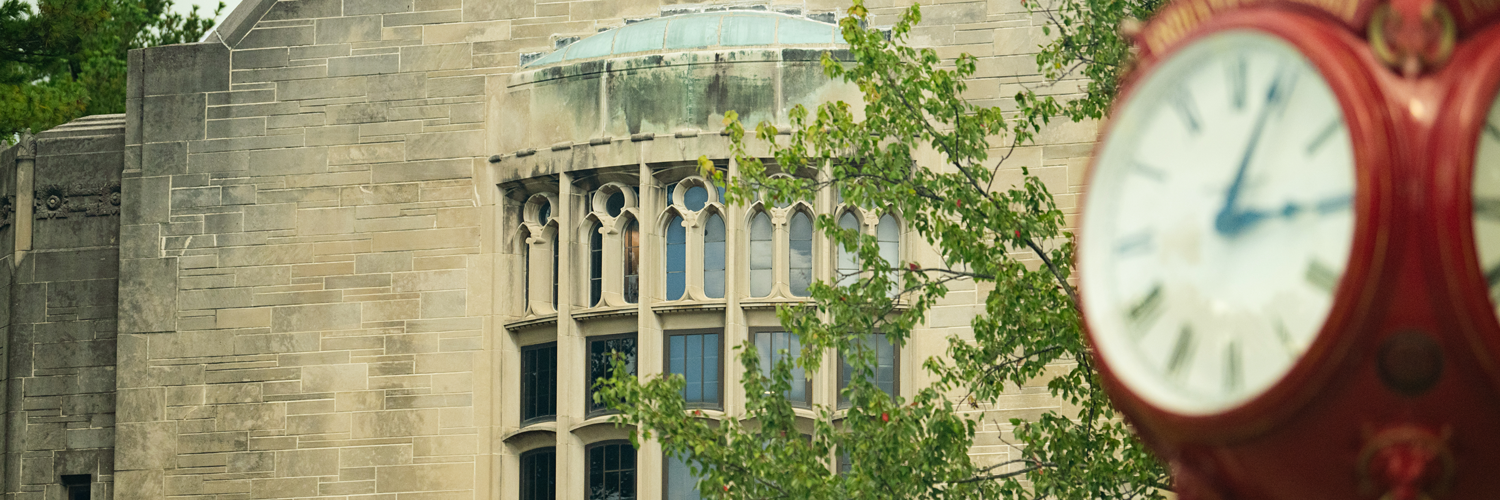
<point>26,148</point>
<point>53,200</point>
<point>7,210</point>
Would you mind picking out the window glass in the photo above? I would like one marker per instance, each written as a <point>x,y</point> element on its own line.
<point>884,369</point>
<point>525,270</point>
<point>611,471</point>
<point>695,198</point>
<point>596,265</point>
<point>676,258</point>
<point>800,256</point>
<point>539,474</point>
<point>632,253</point>
<point>615,203</point>
<point>776,346</point>
<point>556,249</point>
<point>713,257</point>
<point>600,359</point>
<point>696,358</point>
<point>545,212</point>
<point>538,382</point>
<point>889,235</point>
<point>682,484</point>
<point>761,255</point>
<point>848,261</point>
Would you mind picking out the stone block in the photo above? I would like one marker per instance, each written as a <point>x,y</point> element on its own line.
<point>291,487</point>
<point>223,223</point>
<point>232,393</point>
<point>367,153</point>
<point>173,117</point>
<point>364,65</point>
<point>262,58</point>
<point>356,113</point>
<point>264,255</point>
<point>192,344</point>
<point>348,29</point>
<point>334,378</point>
<point>288,161</point>
<point>138,484</point>
<point>429,446</point>
<point>216,298</point>
<point>337,316</point>
<point>289,36</point>
<point>211,442</point>
<point>251,462</point>
<point>466,237</point>
<point>256,416</point>
<point>446,362</point>
<point>323,88</point>
<point>304,9</point>
<point>270,217</point>
<point>466,32</point>
<point>295,121</point>
<point>191,198</point>
<point>424,477</point>
<point>146,445</point>
<point>229,161</point>
<point>185,69</point>
<point>258,317</point>
<point>322,462</point>
<point>363,7</point>
<point>436,57</point>
<point>315,221</point>
<point>468,143</point>
<point>74,354</point>
<point>78,439</point>
<point>382,262</point>
<point>317,424</point>
<point>163,158</point>
<point>391,310</point>
<point>397,87</point>
<point>371,456</point>
<point>357,281</point>
<point>445,304</point>
<point>458,86</point>
<point>140,405</point>
<point>395,423</point>
<point>422,171</point>
<point>77,265</point>
<point>237,127</point>
<point>359,401</point>
<point>480,11</point>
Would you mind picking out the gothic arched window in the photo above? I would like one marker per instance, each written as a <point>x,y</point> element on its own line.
<point>761,255</point>
<point>848,264</point>
<point>632,242</point>
<point>713,257</point>
<point>799,256</point>
<point>596,265</point>
<point>676,258</point>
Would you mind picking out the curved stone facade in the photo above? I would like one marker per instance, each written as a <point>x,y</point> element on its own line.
<point>370,249</point>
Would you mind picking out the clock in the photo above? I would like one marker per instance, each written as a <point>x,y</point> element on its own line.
<point>1221,220</point>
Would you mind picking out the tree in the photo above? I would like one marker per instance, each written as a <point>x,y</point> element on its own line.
<point>67,59</point>
<point>1010,241</point>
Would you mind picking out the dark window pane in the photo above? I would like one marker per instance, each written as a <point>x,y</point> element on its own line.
<point>601,359</point>
<point>538,474</point>
<point>596,266</point>
<point>545,213</point>
<point>713,257</point>
<point>800,256</point>
<point>556,250</point>
<point>525,270</point>
<point>538,382</point>
<point>632,251</point>
<point>776,346</point>
<point>889,236</point>
<point>884,368</point>
<point>696,358</point>
<point>761,255</point>
<point>848,261</point>
<point>615,203</point>
<point>682,484</point>
<point>611,471</point>
<point>676,259</point>
<point>695,198</point>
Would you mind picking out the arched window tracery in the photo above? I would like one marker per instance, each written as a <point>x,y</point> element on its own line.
<point>799,253</point>
<point>676,258</point>
<point>631,243</point>
<point>596,265</point>
<point>848,261</point>
<point>762,255</point>
<point>713,256</point>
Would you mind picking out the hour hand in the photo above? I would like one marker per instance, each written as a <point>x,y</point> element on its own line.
<point>1231,220</point>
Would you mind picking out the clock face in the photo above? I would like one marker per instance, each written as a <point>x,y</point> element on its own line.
<point>1218,223</point>
<point>1487,201</point>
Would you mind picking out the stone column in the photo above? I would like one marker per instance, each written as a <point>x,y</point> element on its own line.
<point>651,360</point>
<point>571,353</point>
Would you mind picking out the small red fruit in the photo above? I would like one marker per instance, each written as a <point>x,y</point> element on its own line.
<point>1018,233</point>
<point>885,417</point>
<point>912,266</point>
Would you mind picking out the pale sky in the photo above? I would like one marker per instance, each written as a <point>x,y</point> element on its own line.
<point>205,7</point>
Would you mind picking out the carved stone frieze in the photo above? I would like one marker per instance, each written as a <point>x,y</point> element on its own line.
<point>54,200</point>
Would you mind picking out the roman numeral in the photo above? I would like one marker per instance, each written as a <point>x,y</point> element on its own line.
<point>1148,171</point>
<point>1285,337</point>
<point>1321,276</point>
<point>1232,372</point>
<point>1182,352</point>
<point>1137,242</point>
<point>1237,85</point>
<point>1145,311</point>
<point>1323,135</point>
<point>1187,109</point>
<point>1488,208</point>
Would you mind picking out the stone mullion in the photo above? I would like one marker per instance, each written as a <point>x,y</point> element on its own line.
<point>736,328</point>
<point>649,331</point>
<point>571,362</point>
<point>825,382</point>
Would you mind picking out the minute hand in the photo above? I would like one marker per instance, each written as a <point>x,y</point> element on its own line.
<point>1231,221</point>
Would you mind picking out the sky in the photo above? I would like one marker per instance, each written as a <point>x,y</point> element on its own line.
<point>205,7</point>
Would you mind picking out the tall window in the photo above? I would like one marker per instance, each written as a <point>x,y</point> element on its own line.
<point>884,369</point>
<point>556,250</point>
<point>539,474</point>
<point>611,471</point>
<point>538,382</point>
<point>632,237</point>
<point>601,355</point>
<point>682,484</point>
<point>526,270</point>
<point>889,237</point>
<point>676,258</point>
<point>776,346</point>
<point>800,255</point>
<point>696,358</point>
<point>848,261</point>
<point>713,257</point>
<point>761,255</point>
<point>77,486</point>
<point>596,265</point>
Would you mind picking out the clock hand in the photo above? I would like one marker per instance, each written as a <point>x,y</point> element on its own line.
<point>1230,221</point>
<point>1322,207</point>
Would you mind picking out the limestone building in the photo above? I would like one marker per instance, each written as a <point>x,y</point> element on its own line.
<point>372,249</point>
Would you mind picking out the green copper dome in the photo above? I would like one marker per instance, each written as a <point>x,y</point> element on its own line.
<point>699,31</point>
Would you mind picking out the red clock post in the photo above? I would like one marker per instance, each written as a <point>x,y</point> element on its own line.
<point>1290,248</point>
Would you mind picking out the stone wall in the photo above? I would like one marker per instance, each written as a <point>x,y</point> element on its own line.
<point>59,259</point>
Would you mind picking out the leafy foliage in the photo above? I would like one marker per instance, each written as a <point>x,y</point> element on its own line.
<point>1088,43</point>
<point>919,149</point>
<point>66,58</point>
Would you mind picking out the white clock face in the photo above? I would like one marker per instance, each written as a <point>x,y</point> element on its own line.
<point>1487,201</point>
<point>1218,223</point>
